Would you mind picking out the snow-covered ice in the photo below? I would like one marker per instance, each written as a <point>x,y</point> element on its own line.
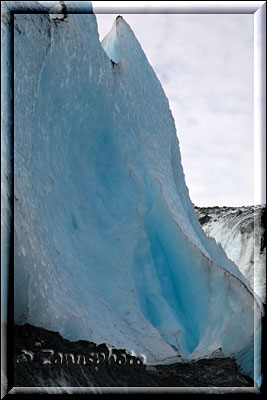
<point>108,246</point>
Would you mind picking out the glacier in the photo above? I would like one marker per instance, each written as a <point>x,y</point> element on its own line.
<point>108,246</point>
<point>240,231</point>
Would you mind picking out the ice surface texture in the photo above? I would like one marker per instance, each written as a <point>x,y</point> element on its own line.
<point>108,246</point>
<point>240,231</point>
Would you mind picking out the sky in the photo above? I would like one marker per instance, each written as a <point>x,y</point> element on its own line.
<point>205,65</point>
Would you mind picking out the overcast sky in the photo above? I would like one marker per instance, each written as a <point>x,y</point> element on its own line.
<point>205,65</point>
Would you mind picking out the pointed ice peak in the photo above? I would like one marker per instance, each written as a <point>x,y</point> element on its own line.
<point>119,19</point>
<point>121,24</point>
<point>110,43</point>
<point>120,41</point>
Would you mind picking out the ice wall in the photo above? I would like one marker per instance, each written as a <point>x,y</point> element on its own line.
<point>107,243</point>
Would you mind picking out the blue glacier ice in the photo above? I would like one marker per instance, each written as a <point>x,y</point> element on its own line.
<point>108,246</point>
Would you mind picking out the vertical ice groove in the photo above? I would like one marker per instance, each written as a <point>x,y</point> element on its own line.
<point>108,230</point>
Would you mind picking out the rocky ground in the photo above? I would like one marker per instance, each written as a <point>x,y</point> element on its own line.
<point>44,358</point>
